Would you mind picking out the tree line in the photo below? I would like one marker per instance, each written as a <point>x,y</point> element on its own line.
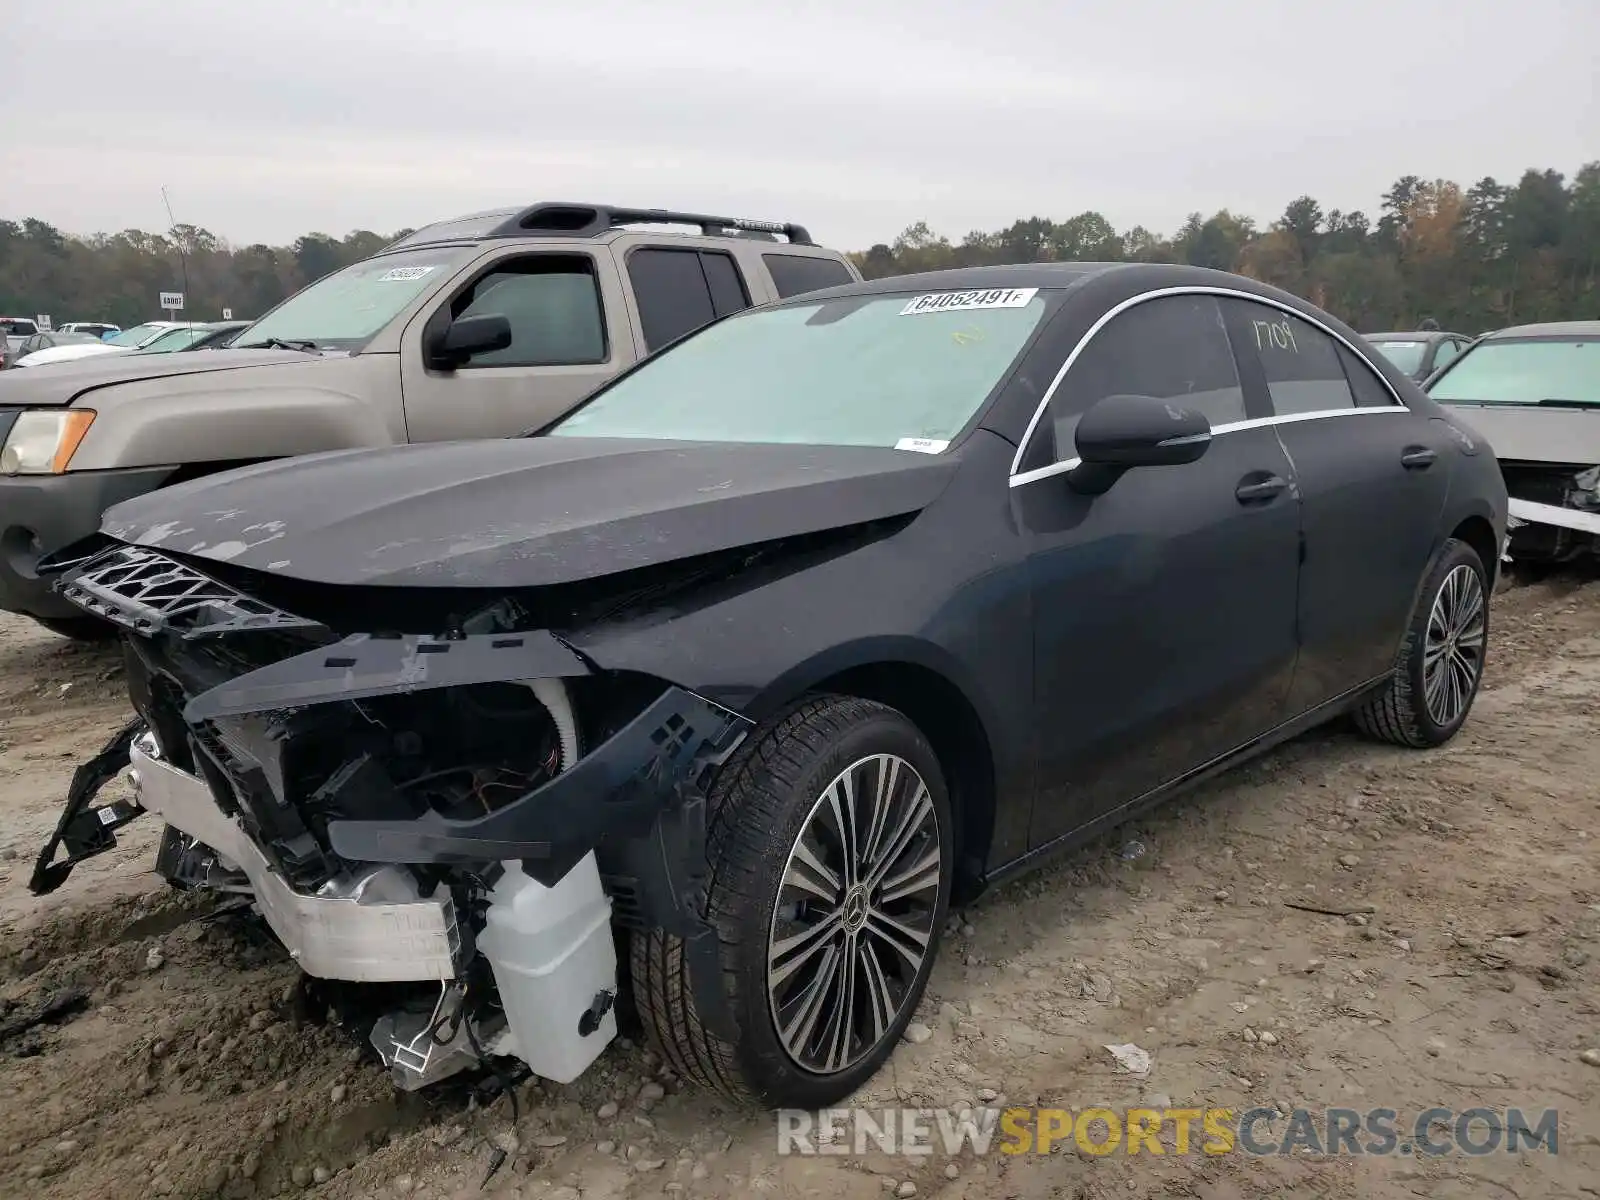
<point>1473,259</point>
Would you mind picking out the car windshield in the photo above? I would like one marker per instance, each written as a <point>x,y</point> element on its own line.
<point>905,370</point>
<point>136,336</point>
<point>349,306</point>
<point>1524,371</point>
<point>1405,355</point>
<point>18,328</point>
<point>175,339</point>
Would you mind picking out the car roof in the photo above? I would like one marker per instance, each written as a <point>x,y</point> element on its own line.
<point>1550,329</point>
<point>958,279</point>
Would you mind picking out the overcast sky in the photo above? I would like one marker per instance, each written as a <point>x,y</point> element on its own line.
<point>266,120</point>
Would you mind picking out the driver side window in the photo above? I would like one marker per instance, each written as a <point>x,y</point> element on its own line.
<point>1173,348</point>
<point>553,304</point>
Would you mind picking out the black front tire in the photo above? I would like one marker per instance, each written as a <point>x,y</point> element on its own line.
<point>1401,713</point>
<point>761,804</point>
<point>80,629</point>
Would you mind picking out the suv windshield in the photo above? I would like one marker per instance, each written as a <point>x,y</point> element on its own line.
<point>1524,371</point>
<point>346,308</point>
<point>879,370</point>
<point>1405,355</point>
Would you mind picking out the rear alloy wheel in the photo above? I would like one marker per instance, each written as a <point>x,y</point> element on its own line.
<point>1441,661</point>
<point>831,854</point>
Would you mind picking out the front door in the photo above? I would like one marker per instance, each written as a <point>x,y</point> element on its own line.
<point>1164,609</point>
<point>1372,477</point>
<point>569,334</point>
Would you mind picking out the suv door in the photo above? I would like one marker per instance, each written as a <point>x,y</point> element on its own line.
<point>1372,477</point>
<point>1164,610</point>
<point>568,335</point>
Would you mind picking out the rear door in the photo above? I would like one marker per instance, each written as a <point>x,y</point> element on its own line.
<point>678,289</point>
<point>569,334</point>
<point>1372,479</point>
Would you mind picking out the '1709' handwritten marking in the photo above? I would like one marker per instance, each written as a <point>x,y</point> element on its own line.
<point>1278,334</point>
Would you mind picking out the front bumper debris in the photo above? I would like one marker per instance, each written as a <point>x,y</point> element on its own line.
<point>368,926</point>
<point>82,829</point>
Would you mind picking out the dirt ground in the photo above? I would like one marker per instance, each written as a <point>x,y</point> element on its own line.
<point>180,1064</point>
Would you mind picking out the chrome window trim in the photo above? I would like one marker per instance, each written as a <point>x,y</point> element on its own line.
<point>1058,468</point>
<point>1019,477</point>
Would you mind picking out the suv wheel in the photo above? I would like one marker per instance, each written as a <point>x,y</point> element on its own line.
<point>831,855</point>
<point>1441,661</point>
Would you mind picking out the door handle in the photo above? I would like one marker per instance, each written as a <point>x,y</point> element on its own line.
<point>1418,458</point>
<point>1258,487</point>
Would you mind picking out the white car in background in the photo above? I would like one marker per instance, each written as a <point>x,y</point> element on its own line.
<point>128,340</point>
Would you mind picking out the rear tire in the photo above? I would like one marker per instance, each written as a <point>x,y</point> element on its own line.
<point>80,629</point>
<point>1441,660</point>
<point>826,940</point>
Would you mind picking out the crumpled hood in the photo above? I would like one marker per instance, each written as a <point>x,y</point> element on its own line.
<point>63,382</point>
<point>521,512</point>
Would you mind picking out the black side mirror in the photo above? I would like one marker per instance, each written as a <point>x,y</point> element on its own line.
<point>458,341</point>
<point>1121,432</point>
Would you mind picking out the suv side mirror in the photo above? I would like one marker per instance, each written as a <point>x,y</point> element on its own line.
<point>1121,432</point>
<point>458,341</point>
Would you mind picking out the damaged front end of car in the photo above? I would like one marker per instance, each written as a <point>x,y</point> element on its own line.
<point>465,814</point>
<point>1554,510</point>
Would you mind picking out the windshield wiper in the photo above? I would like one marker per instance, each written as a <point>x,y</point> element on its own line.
<point>1557,402</point>
<point>305,345</point>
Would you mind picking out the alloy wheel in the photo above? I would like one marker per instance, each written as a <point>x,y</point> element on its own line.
<point>855,914</point>
<point>1453,648</point>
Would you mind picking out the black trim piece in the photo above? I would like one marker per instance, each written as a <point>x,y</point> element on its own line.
<point>658,761</point>
<point>365,664</point>
<point>86,831</point>
<point>149,593</point>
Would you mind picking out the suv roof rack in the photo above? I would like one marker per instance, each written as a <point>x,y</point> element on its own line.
<point>557,218</point>
<point>563,219</point>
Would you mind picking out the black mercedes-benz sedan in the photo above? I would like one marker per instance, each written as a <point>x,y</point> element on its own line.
<point>708,700</point>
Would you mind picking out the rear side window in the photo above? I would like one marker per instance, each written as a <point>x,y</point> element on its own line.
<point>678,291</point>
<point>793,274</point>
<point>1368,389</point>
<point>1301,363</point>
<point>1173,348</point>
<point>553,304</point>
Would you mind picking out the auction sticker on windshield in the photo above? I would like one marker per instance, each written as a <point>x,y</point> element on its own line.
<point>965,301</point>
<point>397,274</point>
